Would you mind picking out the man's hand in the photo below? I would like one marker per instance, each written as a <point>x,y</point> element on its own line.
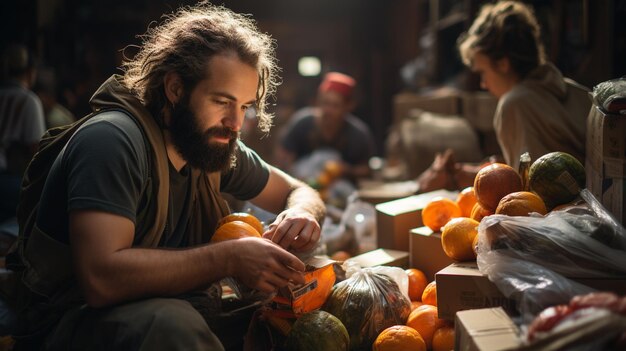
<point>263,265</point>
<point>295,230</point>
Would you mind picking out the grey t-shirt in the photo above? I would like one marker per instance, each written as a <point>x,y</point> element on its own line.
<point>105,167</point>
<point>354,141</point>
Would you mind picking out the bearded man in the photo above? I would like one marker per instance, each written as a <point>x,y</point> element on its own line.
<point>119,257</point>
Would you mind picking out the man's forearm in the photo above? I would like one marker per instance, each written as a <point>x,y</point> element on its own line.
<point>136,273</point>
<point>307,199</point>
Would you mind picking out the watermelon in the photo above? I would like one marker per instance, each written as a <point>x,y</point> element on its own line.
<point>317,331</point>
<point>557,177</point>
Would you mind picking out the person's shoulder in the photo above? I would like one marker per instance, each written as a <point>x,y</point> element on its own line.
<point>357,123</point>
<point>113,123</point>
<point>303,115</point>
<point>520,95</point>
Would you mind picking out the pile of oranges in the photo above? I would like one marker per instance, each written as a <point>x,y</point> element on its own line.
<point>423,330</point>
<point>497,189</point>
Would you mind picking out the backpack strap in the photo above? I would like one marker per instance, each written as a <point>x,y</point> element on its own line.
<point>33,181</point>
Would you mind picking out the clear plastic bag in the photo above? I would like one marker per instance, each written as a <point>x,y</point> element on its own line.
<point>530,259</point>
<point>574,245</point>
<point>368,302</point>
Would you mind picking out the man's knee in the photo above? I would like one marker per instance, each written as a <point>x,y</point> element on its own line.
<point>175,323</point>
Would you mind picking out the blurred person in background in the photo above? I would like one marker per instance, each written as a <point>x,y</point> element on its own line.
<point>539,111</point>
<point>45,87</point>
<point>329,126</point>
<point>22,123</point>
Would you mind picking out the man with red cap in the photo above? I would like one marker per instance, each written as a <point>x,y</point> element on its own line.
<point>329,126</point>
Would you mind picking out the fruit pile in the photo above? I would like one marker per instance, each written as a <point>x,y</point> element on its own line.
<point>368,312</point>
<point>555,179</point>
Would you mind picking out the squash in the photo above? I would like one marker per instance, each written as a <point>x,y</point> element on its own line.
<point>317,331</point>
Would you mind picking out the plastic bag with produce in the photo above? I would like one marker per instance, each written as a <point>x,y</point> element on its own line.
<point>368,302</point>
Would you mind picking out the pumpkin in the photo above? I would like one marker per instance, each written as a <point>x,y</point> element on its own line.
<point>234,230</point>
<point>244,217</point>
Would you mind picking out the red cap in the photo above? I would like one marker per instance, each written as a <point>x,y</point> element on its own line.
<point>338,82</point>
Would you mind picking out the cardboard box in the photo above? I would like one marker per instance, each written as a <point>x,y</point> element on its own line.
<point>394,219</point>
<point>487,329</point>
<point>479,109</point>
<point>446,103</point>
<point>426,252</point>
<point>376,192</point>
<point>382,257</point>
<point>461,286</point>
<point>605,164</point>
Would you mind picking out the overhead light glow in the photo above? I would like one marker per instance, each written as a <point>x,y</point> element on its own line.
<point>309,66</point>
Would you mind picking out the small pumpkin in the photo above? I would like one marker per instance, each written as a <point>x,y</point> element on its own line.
<point>244,217</point>
<point>234,230</point>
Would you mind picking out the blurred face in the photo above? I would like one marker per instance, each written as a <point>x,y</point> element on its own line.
<point>205,124</point>
<point>334,107</point>
<point>495,76</point>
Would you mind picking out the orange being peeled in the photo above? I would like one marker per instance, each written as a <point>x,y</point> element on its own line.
<point>244,217</point>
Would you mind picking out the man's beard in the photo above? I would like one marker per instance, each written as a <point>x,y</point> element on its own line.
<point>194,144</point>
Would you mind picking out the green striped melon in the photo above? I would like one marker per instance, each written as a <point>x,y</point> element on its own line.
<point>557,177</point>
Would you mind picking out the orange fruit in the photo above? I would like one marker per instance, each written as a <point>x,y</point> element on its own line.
<point>333,168</point>
<point>495,181</point>
<point>479,212</point>
<point>417,283</point>
<point>416,304</point>
<point>399,337</point>
<point>324,180</point>
<point>521,203</point>
<point>443,339</point>
<point>438,212</point>
<point>234,230</point>
<point>429,296</point>
<point>425,320</point>
<point>466,201</point>
<point>457,237</point>
<point>244,217</point>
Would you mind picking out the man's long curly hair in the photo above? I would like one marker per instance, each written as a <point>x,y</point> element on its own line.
<point>185,42</point>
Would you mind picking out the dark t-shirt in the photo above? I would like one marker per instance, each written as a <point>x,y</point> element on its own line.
<point>105,167</point>
<point>354,142</point>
